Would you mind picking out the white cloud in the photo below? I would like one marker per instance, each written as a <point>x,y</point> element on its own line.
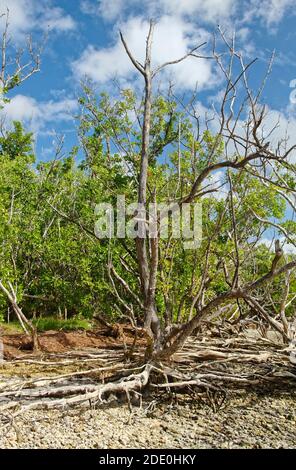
<point>101,64</point>
<point>20,108</point>
<point>288,248</point>
<point>178,28</point>
<point>172,39</point>
<point>270,12</point>
<point>109,10</point>
<point>208,10</point>
<point>26,16</point>
<point>218,182</point>
<point>56,19</point>
<point>36,114</point>
<point>280,127</point>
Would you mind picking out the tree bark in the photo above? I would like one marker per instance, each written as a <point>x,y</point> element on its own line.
<point>25,323</point>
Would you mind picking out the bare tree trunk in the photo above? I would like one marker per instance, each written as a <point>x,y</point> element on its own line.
<point>284,302</point>
<point>27,326</point>
<point>148,265</point>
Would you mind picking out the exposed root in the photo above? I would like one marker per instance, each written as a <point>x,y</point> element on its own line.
<point>81,394</point>
<point>212,367</point>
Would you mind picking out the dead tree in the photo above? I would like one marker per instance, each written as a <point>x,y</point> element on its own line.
<point>148,263</point>
<point>250,154</point>
<point>26,324</point>
<point>25,63</point>
<point>251,151</point>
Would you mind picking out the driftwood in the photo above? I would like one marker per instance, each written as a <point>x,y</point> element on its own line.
<point>212,366</point>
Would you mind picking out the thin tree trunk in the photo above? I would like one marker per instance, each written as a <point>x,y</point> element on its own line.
<point>27,326</point>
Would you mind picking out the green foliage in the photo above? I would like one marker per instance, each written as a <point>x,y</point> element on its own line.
<point>16,143</point>
<point>47,245</point>
<point>53,323</point>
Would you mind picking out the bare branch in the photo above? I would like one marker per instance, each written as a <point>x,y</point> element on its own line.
<point>177,61</point>
<point>137,64</point>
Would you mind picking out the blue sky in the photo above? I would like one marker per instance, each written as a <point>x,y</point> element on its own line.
<point>83,40</point>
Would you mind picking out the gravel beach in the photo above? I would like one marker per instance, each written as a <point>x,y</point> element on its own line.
<point>247,421</point>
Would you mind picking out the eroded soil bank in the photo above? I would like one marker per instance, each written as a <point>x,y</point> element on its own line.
<point>55,342</point>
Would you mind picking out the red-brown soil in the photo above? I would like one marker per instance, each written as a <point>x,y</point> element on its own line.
<point>52,342</point>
